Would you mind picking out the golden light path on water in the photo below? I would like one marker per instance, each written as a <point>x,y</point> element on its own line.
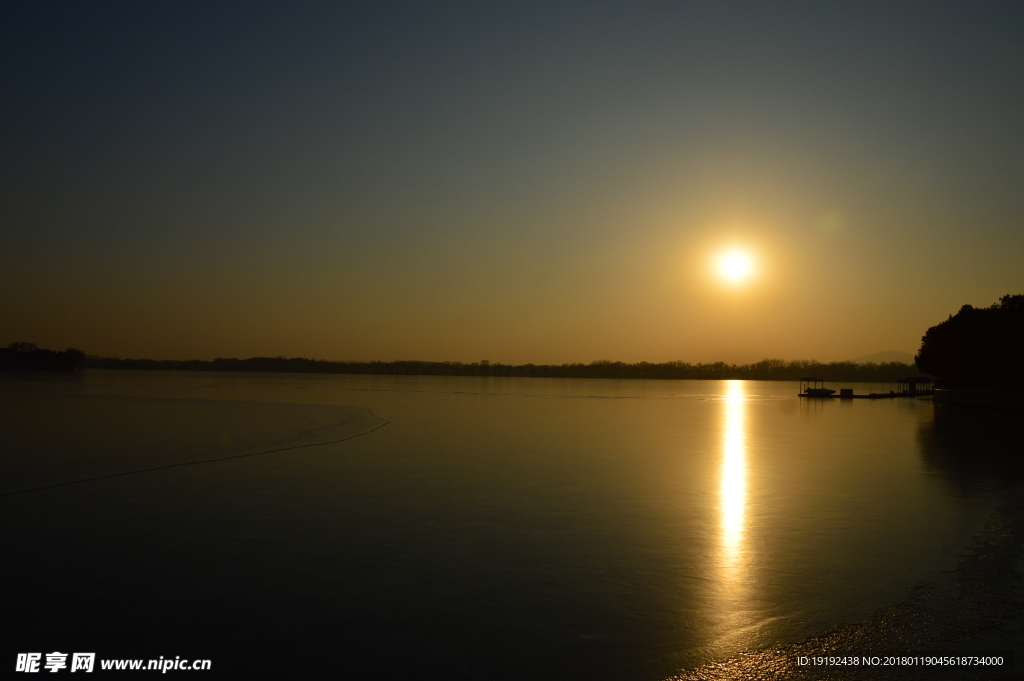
<point>732,524</point>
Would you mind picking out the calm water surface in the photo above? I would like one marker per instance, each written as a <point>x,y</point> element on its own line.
<point>470,527</point>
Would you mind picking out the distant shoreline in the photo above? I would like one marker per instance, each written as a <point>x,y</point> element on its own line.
<point>765,370</point>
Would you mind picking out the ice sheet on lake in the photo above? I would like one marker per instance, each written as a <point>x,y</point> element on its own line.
<point>58,439</point>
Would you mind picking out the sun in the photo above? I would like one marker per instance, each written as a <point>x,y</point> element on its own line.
<point>735,267</point>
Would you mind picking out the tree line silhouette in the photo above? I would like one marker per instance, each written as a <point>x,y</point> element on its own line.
<point>766,370</point>
<point>28,356</point>
<point>977,344</point>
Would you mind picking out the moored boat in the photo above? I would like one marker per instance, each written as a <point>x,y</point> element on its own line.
<point>814,387</point>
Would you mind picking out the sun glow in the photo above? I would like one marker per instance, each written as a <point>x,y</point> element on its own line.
<point>735,267</point>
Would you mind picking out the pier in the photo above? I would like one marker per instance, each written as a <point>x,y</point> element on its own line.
<point>912,386</point>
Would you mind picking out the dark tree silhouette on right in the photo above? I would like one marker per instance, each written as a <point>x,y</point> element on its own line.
<point>977,344</point>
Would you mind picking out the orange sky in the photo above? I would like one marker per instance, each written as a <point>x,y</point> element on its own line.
<point>540,187</point>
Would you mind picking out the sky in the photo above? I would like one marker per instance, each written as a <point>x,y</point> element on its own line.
<point>517,182</point>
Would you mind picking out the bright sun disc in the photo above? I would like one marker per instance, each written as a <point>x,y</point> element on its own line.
<point>735,266</point>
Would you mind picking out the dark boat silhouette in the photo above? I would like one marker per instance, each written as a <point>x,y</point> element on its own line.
<point>814,387</point>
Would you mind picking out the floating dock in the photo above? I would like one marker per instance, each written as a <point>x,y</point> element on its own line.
<point>914,386</point>
<point>869,396</point>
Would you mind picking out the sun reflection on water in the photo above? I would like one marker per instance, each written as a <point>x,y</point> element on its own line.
<point>732,509</point>
<point>732,491</point>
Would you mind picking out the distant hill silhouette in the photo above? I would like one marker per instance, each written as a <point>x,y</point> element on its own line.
<point>977,344</point>
<point>885,357</point>
<point>21,356</point>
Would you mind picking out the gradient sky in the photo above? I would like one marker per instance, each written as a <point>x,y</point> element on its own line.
<point>521,183</point>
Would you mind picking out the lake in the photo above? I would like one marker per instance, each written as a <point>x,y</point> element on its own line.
<point>326,526</point>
